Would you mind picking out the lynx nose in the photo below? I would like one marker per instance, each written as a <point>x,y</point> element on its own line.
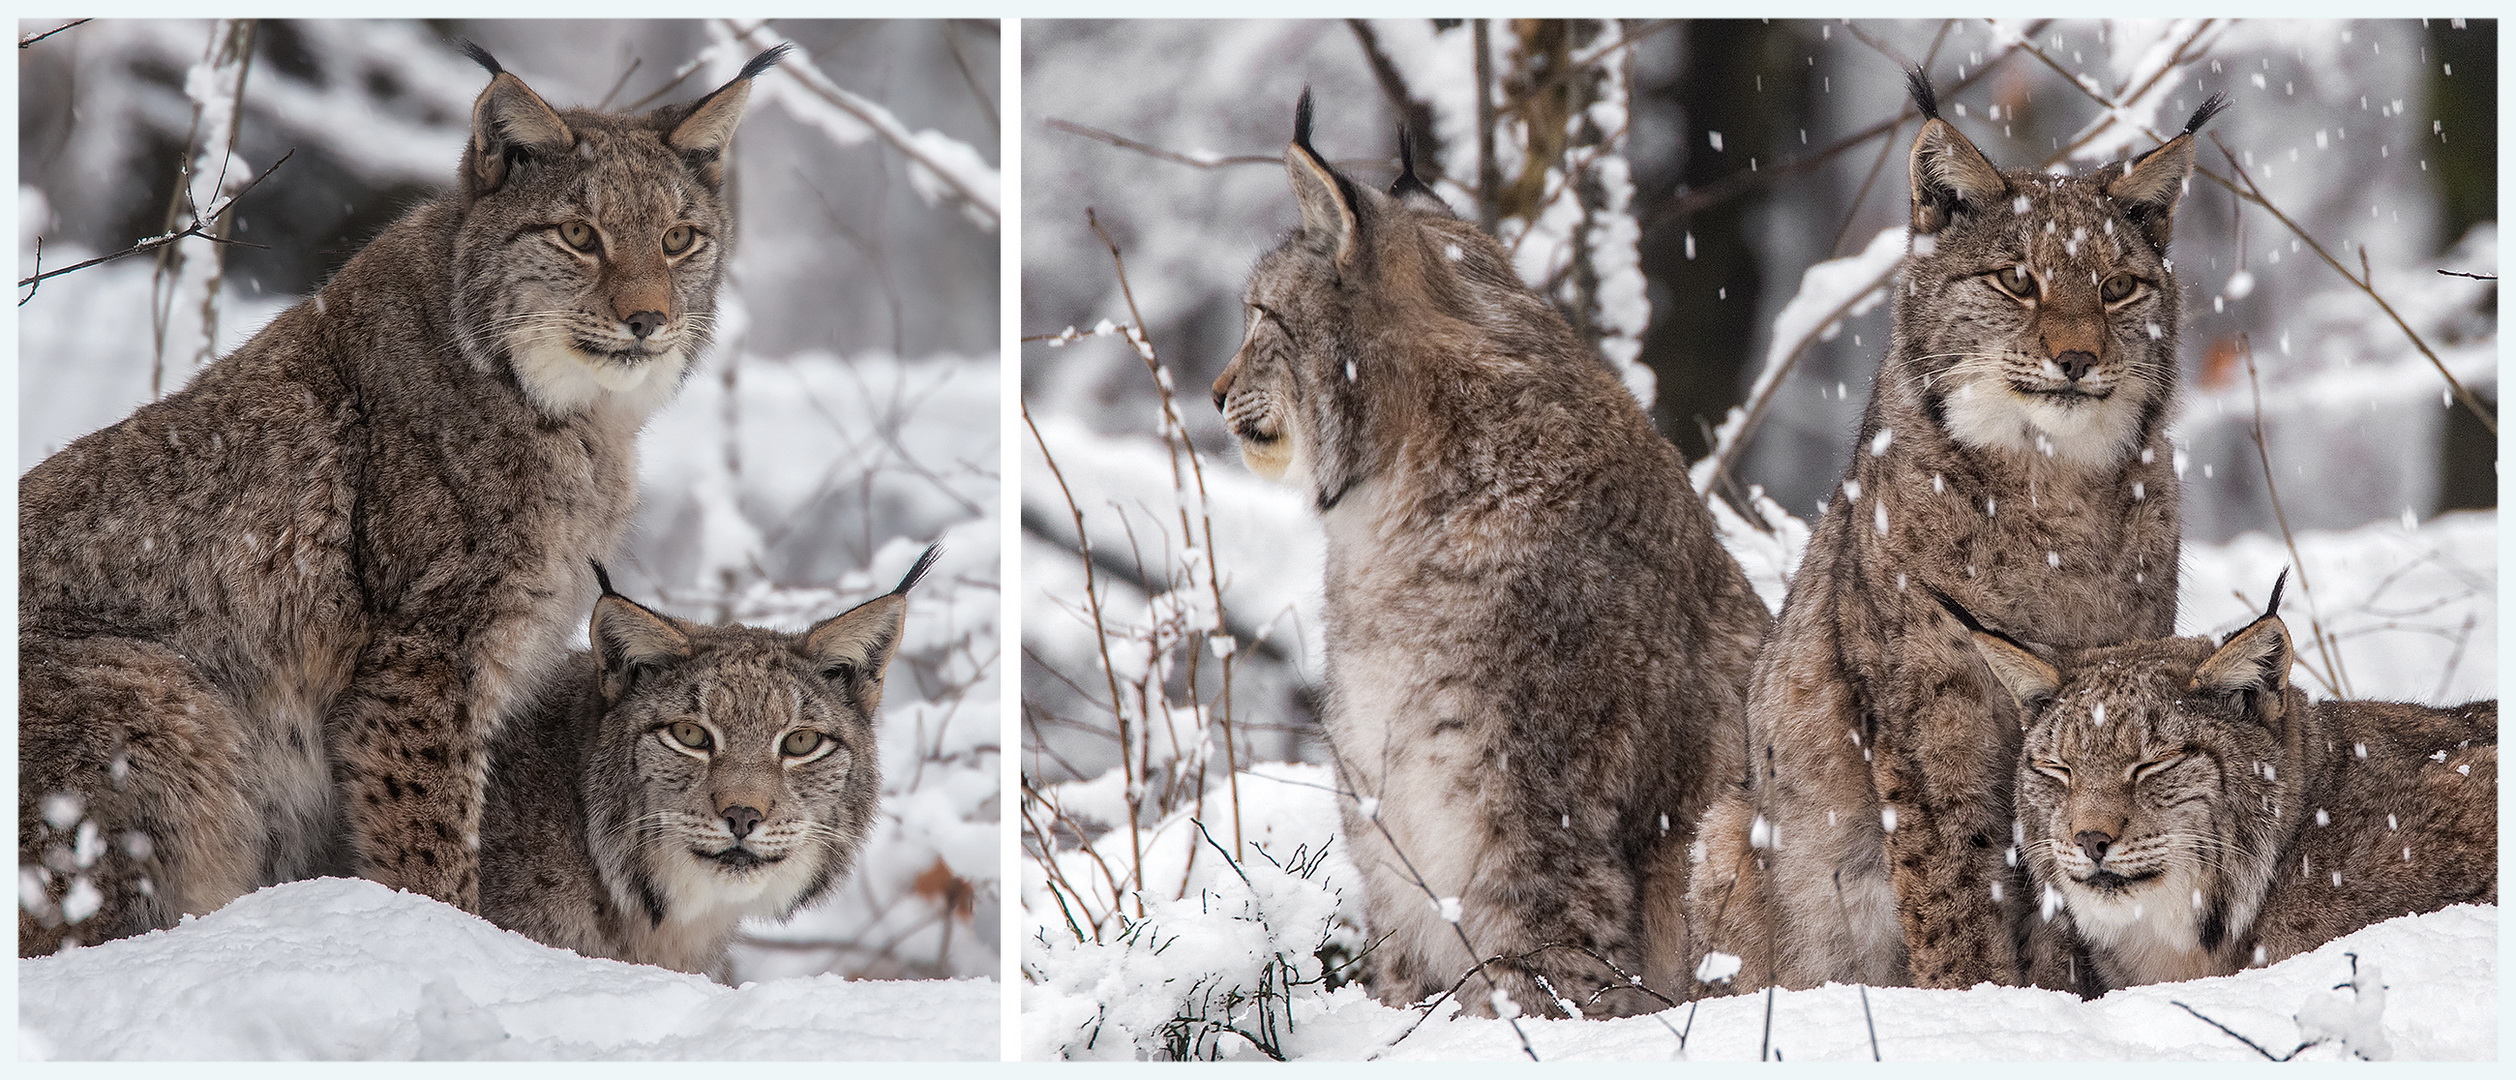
<point>645,323</point>
<point>2076,364</point>
<point>2094,843</point>
<point>1222,388</point>
<point>741,820</point>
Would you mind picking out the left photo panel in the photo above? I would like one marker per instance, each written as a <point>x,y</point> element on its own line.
<point>509,558</point>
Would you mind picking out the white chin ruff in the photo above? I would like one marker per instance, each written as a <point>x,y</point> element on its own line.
<point>2088,433</point>
<point>564,380</point>
<point>696,889</point>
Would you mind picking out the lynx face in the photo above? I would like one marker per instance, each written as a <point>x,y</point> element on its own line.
<point>592,244</point>
<point>736,766</point>
<point>1257,398</point>
<point>2042,309</point>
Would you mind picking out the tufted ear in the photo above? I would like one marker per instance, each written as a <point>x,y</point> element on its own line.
<point>631,642</point>
<point>2030,680</point>
<point>2152,184</point>
<point>1328,200</point>
<point>704,129</point>
<point>509,124</point>
<point>1949,174</point>
<point>851,650</point>
<point>2255,658</point>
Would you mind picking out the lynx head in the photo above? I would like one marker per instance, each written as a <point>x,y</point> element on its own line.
<point>2038,312</point>
<point>591,244</point>
<point>1350,311</point>
<point>2149,774</point>
<point>735,767</point>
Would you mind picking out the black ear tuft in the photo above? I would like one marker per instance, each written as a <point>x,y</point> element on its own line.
<point>917,572</point>
<point>603,578</point>
<point>1408,183</point>
<point>481,56</point>
<point>2210,107</point>
<point>1917,83</point>
<point>1301,123</point>
<point>767,59</point>
<point>2277,584</point>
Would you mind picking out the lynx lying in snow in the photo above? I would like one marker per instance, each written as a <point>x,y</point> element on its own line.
<point>2197,814</point>
<point>679,778</point>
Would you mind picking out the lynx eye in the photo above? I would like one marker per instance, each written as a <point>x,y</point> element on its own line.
<point>690,735</point>
<point>2016,281</point>
<point>2154,766</point>
<point>580,236</point>
<point>802,743</point>
<point>2054,769</point>
<point>2119,288</point>
<point>678,239</point>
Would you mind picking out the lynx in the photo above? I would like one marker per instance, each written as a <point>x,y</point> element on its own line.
<point>268,624</point>
<point>2013,455</point>
<point>2196,814</point>
<point>1536,648</point>
<point>678,778</point>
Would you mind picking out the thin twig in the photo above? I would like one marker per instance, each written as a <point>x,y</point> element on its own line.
<point>2475,277</point>
<point>26,41</point>
<point>200,227</point>
<point>2232,1033</point>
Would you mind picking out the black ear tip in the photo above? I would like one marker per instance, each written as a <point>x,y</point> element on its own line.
<point>2210,107</point>
<point>767,59</point>
<point>1950,605</point>
<point>2277,584</point>
<point>918,571</point>
<point>1301,121</point>
<point>601,577</point>
<point>481,56</point>
<point>1918,83</point>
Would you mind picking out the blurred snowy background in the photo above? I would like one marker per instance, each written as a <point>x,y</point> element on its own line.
<point>1716,205</point>
<point>846,418</point>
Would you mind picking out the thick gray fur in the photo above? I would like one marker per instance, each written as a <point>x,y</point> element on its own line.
<point>268,624</point>
<point>605,834</point>
<point>1536,647</point>
<point>2013,456</point>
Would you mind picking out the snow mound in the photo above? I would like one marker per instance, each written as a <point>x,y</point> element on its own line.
<point>343,968</point>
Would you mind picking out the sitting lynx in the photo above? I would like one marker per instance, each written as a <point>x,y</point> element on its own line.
<point>2196,814</point>
<point>267,625</point>
<point>679,778</point>
<point>1536,647</point>
<point>2014,454</point>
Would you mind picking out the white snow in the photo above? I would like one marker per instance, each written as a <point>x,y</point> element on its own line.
<point>340,968</point>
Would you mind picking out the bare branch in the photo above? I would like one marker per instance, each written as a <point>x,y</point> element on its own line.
<point>201,226</point>
<point>33,38</point>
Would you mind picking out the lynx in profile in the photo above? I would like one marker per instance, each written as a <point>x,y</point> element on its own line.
<point>2013,455</point>
<point>678,778</point>
<point>1536,648</point>
<point>267,625</point>
<point>2196,814</point>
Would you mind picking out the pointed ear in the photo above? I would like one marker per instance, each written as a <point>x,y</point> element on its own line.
<point>509,123</point>
<point>2152,184</point>
<point>632,643</point>
<point>1949,176</point>
<point>851,650</point>
<point>2255,658</point>
<point>2029,680</point>
<point>1327,199</point>
<point>703,135</point>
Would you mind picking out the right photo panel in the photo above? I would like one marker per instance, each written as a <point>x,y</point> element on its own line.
<point>1759,540</point>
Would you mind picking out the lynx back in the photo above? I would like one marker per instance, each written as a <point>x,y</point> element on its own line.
<point>268,624</point>
<point>2014,455</point>
<point>1536,647</point>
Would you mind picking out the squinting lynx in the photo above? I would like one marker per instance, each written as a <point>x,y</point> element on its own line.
<point>2196,814</point>
<point>2013,455</point>
<point>679,778</point>
<point>1536,649</point>
<point>268,624</point>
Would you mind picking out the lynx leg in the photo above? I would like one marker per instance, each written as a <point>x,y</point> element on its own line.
<point>131,812</point>
<point>1727,908</point>
<point>409,754</point>
<point>1667,948</point>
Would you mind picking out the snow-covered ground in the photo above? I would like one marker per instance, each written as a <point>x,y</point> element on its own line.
<point>301,972</point>
<point>1236,953</point>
